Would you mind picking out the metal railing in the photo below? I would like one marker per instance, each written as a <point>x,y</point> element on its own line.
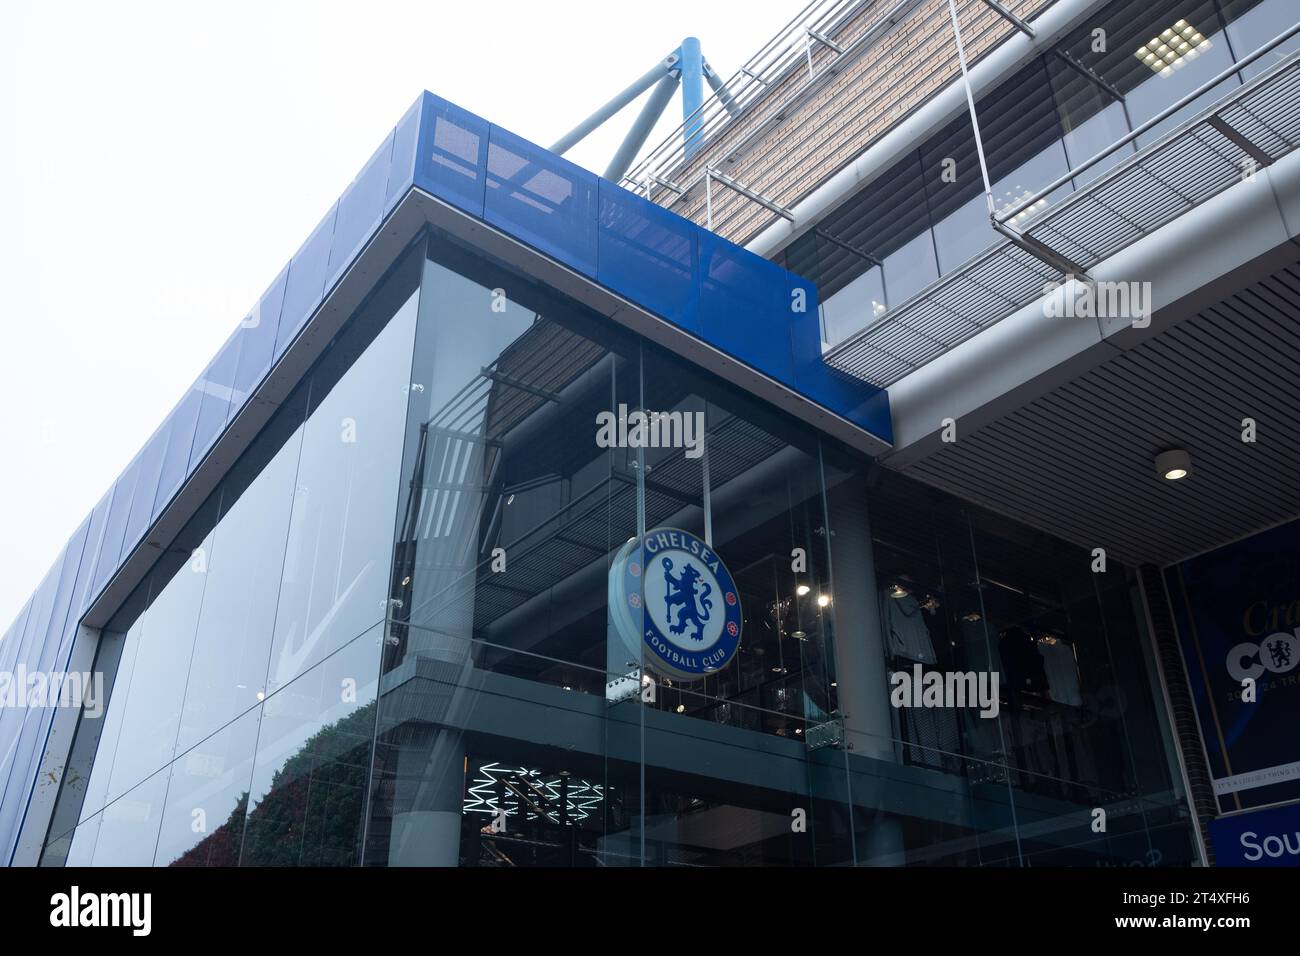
<point>1250,127</point>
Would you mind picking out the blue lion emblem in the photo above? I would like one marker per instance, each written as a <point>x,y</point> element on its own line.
<point>681,590</point>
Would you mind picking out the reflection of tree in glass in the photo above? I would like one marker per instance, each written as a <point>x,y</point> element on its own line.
<point>312,814</point>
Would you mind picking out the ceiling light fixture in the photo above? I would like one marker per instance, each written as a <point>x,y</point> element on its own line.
<point>1173,48</point>
<point>802,589</point>
<point>823,600</point>
<point>1173,464</point>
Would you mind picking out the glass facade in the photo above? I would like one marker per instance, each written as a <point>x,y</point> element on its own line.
<point>927,215</point>
<point>393,636</point>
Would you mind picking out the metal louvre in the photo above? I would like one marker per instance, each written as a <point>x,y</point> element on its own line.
<point>1079,462</point>
<point>1257,124</point>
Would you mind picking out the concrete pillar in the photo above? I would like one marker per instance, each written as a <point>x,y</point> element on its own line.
<point>860,670</point>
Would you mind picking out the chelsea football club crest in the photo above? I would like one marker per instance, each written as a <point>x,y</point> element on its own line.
<point>671,594</point>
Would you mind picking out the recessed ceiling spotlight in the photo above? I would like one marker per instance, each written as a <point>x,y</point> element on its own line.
<point>802,589</point>
<point>1173,464</point>
<point>823,600</point>
<point>1173,48</point>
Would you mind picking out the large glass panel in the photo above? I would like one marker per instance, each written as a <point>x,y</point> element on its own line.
<point>151,718</point>
<point>1154,53</point>
<point>128,831</point>
<point>207,798</point>
<point>335,578</point>
<point>1252,23</point>
<point>307,799</point>
<point>510,511</point>
<point>227,673</point>
<point>1091,113</point>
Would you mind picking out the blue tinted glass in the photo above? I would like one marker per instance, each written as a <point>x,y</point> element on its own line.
<point>215,388</point>
<point>176,458</point>
<point>257,342</point>
<point>360,210</point>
<point>648,255</point>
<point>452,155</point>
<point>542,199</point>
<point>110,548</point>
<point>307,273</point>
<point>401,173</point>
<point>146,488</point>
<point>746,307</point>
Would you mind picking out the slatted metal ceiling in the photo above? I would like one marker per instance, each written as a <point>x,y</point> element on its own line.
<point>1079,462</point>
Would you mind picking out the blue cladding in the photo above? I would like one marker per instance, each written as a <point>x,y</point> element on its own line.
<point>308,271</point>
<point>94,540</point>
<point>745,307</point>
<point>650,256</point>
<point>543,200</point>
<point>256,335</point>
<point>110,547</point>
<point>146,488</point>
<point>451,158</point>
<point>401,171</point>
<point>215,388</point>
<point>180,438</point>
<point>360,211</point>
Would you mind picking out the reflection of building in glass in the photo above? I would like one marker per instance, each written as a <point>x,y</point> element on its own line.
<point>366,597</point>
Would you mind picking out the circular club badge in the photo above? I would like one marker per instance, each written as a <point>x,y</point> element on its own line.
<point>671,594</point>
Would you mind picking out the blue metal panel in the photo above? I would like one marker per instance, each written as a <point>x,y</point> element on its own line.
<point>649,255</point>
<point>360,211</point>
<point>745,307</point>
<point>257,334</point>
<point>13,641</point>
<point>110,547</point>
<point>544,200</point>
<point>451,158</point>
<point>146,488</point>
<point>52,657</point>
<point>14,720</point>
<point>308,271</point>
<point>94,540</point>
<point>180,426</point>
<point>401,170</point>
<point>215,388</point>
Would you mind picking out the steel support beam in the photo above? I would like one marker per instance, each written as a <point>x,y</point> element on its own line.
<point>692,73</point>
<point>640,131</point>
<point>580,132</point>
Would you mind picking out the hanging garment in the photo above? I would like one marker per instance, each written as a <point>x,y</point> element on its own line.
<point>1062,676</point>
<point>906,632</point>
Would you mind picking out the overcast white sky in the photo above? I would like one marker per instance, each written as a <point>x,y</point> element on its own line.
<point>160,162</point>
